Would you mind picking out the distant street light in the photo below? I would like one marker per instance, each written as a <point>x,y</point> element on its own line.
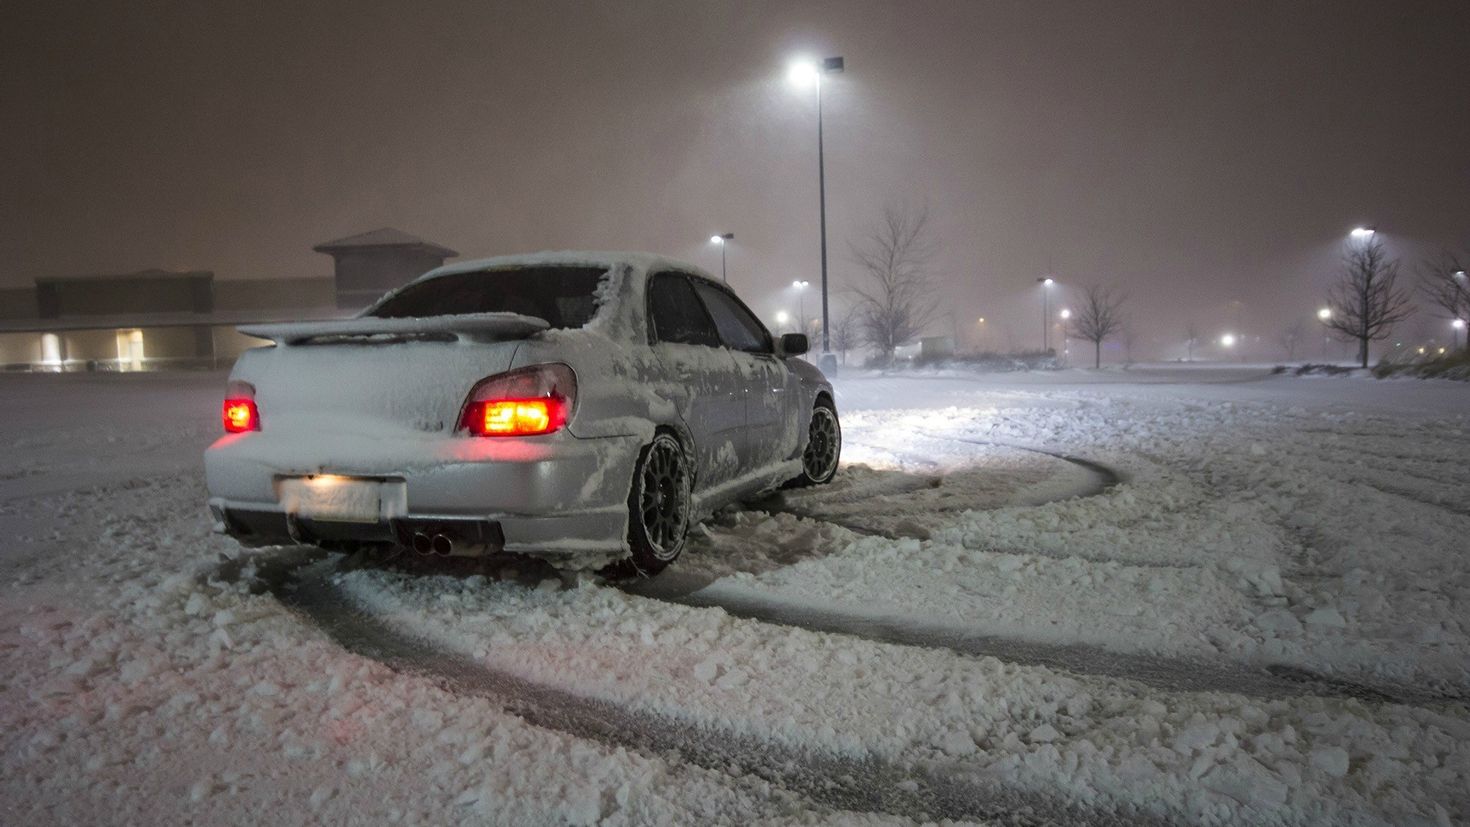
<point>782,318</point>
<point>1228,340</point>
<point>1458,325</point>
<point>806,73</point>
<point>721,240</point>
<point>1324,315</point>
<point>801,286</point>
<point>1046,282</point>
<point>1363,233</point>
<point>1065,314</point>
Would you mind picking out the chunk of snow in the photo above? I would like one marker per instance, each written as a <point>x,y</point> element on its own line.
<point>1331,760</point>
<point>1326,616</point>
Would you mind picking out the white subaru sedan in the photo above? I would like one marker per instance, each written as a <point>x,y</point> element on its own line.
<point>581,407</point>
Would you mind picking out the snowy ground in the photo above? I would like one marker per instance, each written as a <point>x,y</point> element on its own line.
<point>1198,595</point>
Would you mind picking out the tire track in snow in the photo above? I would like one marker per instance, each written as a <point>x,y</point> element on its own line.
<point>1176,674</point>
<point>1163,672</point>
<point>928,790</point>
<point>1102,479</point>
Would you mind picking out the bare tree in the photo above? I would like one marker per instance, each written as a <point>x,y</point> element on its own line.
<point>1367,302</point>
<point>1099,317</point>
<point>845,332</point>
<point>1444,284</point>
<point>1291,337</point>
<point>895,298</point>
<point>1191,338</point>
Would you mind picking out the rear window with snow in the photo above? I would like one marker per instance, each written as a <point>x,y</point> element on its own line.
<point>563,296</point>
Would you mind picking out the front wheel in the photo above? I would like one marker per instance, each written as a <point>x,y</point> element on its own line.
<point>823,447</point>
<point>659,505</point>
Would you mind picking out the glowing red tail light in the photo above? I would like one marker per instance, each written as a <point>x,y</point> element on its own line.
<point>239,413</point>
<point>522,402</point>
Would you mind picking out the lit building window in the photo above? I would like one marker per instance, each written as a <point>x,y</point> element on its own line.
<point>130,350</point>
<point>51,350</point>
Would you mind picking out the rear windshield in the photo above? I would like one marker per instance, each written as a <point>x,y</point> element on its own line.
<point>563,296</point>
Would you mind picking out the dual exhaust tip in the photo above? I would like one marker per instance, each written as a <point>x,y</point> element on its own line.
<point>441,545</point>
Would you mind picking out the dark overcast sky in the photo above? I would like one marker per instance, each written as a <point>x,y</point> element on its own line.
<point>1194,153</point>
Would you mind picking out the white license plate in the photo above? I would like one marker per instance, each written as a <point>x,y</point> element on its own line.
<point>332,499</point>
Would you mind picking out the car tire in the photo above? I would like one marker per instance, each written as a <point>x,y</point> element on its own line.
<point>660,505</point>
<point>823,447</point>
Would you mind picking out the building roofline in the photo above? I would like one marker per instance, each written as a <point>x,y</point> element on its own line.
<point>384,237</point>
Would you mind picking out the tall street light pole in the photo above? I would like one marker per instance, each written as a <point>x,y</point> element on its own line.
<point>1363,235</point>
<point>722,239</point>
<point>801,286</point>
<point>804,72</point>
<point>1046,282</point>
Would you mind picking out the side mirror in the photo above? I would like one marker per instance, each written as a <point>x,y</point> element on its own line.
<point>794,344</point>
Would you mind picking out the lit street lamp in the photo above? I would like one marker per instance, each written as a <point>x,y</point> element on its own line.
<point>1228,340</point>
<point>1324,315</point>
<point>1363,233</point>
<point>1046,282</point>
<point>1458,325</point>
<point>801,286</point>
<point>722,240</point>
<point>804,72</point>
<point>782,317</point>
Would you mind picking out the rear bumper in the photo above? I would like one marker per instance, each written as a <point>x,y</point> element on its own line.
<point>556,495</point>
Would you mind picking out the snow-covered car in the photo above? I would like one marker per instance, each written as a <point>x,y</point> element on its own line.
<point>582,407</point>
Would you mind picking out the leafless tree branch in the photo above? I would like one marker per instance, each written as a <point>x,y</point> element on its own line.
<point>895,297</point>
<point>1098,317</point>
<point>1367,302</point>
<point>1445,285</point>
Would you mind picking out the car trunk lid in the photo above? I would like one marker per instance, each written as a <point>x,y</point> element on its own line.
<point>376,376</point>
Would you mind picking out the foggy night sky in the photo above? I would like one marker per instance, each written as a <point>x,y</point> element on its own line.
<point>1193,153</point>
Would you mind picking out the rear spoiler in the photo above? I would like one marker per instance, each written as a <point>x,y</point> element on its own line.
<point>475,327</point>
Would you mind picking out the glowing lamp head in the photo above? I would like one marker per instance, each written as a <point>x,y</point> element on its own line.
<point>1228,340</point>
<point>1324,314</point>
<point>799,284</point>
<point>1048,281</point>
<point>804,73</point>
<point>783,317</point>
<point>1458,324</point>
<point>714,239</point>
<point>1362,233</point>
<point>1065,314</point>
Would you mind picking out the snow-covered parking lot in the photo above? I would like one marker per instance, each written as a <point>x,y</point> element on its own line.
<point>1166,595</point>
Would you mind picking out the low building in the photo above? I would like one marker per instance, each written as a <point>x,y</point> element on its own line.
<point>157,319</point>
<point>370,264</point>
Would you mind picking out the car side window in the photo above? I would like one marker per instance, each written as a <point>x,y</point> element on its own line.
<point>739,328</point>
<point>677,314</point>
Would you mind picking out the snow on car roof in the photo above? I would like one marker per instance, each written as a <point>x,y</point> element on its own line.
<point>642,261</point>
